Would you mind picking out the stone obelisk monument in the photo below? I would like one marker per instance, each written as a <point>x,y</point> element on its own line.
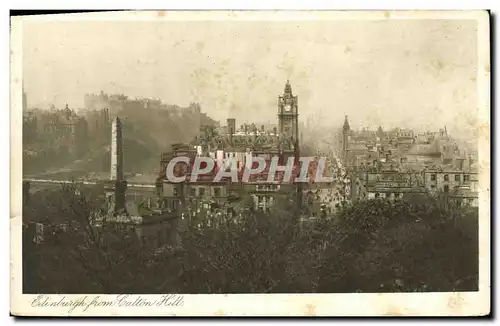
<point>117,184</point>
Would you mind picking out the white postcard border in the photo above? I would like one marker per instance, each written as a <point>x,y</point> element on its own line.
<point>414,304</point>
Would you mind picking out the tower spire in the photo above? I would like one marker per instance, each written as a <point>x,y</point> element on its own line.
<point>346,124</point>
<point>288,88</point>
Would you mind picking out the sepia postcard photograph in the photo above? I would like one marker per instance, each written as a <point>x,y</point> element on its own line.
<point>250,163</point>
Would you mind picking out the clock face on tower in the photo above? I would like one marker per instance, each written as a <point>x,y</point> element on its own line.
<point>288,107</point>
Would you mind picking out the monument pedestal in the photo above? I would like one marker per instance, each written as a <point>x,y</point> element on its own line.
<point>115,195</point>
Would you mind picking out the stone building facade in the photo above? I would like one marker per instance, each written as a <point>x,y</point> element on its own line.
<point>400,163</point>
<point>240,145</point>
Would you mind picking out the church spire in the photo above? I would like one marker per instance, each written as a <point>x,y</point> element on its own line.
<point>380,131</point>
<point>67,111</point>
<point>346,124</point>
<point>288,88</point>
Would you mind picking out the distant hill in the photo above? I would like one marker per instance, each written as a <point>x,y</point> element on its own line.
<point>146,134</point>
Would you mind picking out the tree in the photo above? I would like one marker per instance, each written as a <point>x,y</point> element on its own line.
<point>380,245</point>
<point>79,255</point>
<point>255,254</point>
<point>252,252</point>
<point>369,246</point>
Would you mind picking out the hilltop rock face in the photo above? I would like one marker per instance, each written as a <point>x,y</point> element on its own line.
<point>146,133</point>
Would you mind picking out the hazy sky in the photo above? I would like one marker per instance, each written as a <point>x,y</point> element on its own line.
<point>411,73</point>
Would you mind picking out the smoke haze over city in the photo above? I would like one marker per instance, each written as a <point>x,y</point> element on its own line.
<point>377,72</point>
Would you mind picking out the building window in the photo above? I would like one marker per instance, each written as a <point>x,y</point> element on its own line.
<point>445,177</point>
<point>457,177</point>
<point>202,192</point>
<point>433,186</point>
<point>466,178</point>
<point>433,177</point>
<point>377,195</point>
<point>173,205</point>
<point>446,188</point>
<point>217,192</point>
<point>192,192</point>
<point>176,192</point>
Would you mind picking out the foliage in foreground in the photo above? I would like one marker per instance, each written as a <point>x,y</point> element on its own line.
<point>369,246</point>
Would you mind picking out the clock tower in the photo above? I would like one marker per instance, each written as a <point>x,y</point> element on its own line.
<point>288,126</point>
